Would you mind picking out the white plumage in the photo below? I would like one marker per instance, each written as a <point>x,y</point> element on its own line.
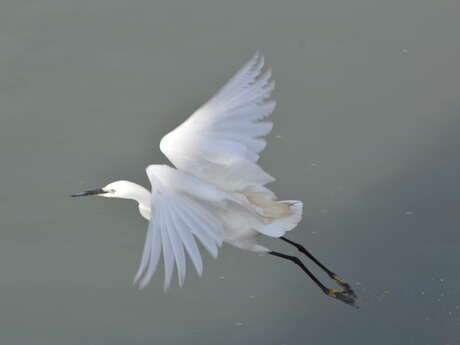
<point>221,141</point>
<point>217,193</point>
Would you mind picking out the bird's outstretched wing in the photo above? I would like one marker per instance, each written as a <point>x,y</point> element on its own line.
<point>180,212</point>
<point>221,141</point>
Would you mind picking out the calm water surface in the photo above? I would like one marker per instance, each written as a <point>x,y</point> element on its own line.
<point>366,133</point>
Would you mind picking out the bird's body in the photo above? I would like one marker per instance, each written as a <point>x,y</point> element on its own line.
<point>243,214</point>
<point>217,192</point>
<point>183,203</point>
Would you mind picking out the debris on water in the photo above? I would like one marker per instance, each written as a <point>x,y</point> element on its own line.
<point>314,164</point>
<point>278,136</point>
<point>252,296</point>
<point>358,283</point>
<point>221,277</point>
<point>239,324</point>
<point>441,280</point>
<point>409,213</point>
<point>405,51</point>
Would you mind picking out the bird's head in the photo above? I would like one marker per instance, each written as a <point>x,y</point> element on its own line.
<point>117,189</point>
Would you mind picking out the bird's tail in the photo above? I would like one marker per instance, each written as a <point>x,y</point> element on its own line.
<point>278,216</point>
<point>277,227</point>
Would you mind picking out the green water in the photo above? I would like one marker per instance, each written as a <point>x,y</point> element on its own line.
<point>366,134</point>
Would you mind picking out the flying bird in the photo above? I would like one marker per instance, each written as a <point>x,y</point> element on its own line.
<point>216,192</point>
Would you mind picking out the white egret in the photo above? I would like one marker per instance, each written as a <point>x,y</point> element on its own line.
<point>217,192</point>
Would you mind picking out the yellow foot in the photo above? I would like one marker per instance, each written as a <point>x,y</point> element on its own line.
<point>334,292</point>
<point>344,284</point>
<point>342,295</point>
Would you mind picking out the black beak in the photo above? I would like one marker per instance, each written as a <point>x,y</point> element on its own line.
<point>90,192</point>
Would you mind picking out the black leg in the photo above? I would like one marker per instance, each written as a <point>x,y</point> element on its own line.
<point>331,274</point>
<point>343,296</point>
<point>299,263</point>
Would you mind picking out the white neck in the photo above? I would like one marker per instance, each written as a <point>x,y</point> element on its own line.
<point>132,191</point>
<point>143,198</point>
<point>144,202</point>
<point>138,193</point>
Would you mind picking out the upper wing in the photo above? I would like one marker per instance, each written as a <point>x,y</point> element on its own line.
<point>180,212</point>
<point>221,141</point>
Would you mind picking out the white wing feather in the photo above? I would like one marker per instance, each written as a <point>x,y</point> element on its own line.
<point>221,141</point>
<point>180,212</point>
<point>215,151</point>
<point>176,244</point>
